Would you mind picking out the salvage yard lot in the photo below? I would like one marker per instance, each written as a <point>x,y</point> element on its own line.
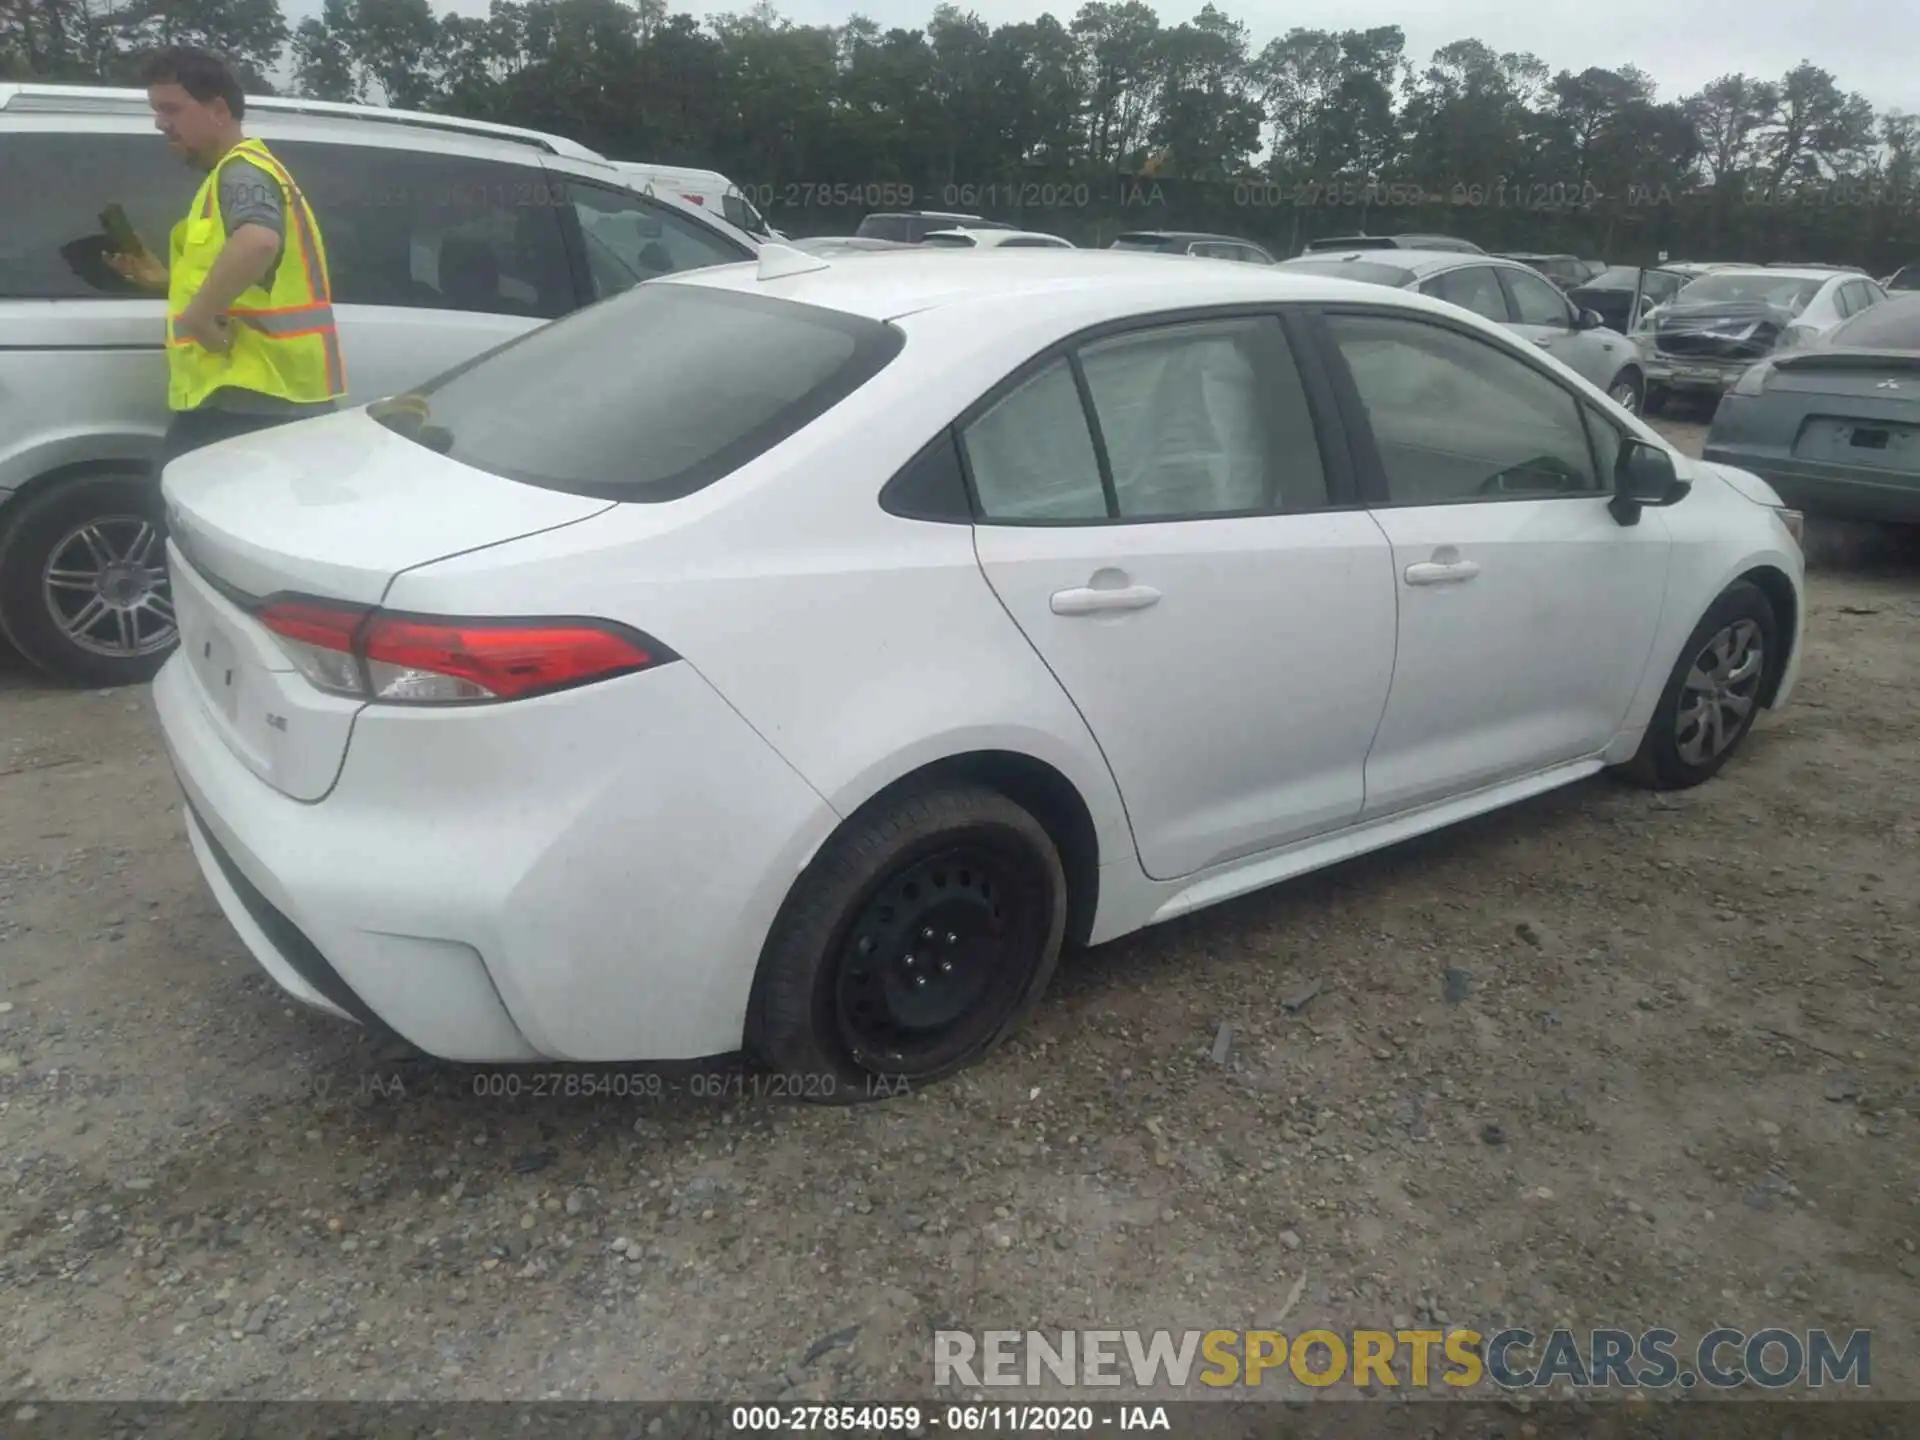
<point>1670,1081</point>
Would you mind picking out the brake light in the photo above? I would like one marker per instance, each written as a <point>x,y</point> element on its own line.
<point>431,660</point>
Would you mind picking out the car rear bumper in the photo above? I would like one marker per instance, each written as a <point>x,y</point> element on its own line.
<point>1687,373</point>
<point>587,876</point>
<point>1839,492</point>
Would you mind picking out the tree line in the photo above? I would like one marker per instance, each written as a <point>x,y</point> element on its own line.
<point>1107,121</point>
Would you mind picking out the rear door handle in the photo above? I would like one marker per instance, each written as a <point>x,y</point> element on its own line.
<point>1088,601</point>
<point>1432,572</point>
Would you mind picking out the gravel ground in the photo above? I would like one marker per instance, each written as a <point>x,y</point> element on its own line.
<point>1606,1058</point>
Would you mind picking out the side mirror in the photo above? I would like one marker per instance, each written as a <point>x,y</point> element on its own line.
<point>1589,320</point>
<point>1644,475</point>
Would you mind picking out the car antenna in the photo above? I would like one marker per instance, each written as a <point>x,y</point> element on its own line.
<point>781,260</point>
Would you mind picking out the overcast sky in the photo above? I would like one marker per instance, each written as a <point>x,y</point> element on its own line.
<point>1872,46</point>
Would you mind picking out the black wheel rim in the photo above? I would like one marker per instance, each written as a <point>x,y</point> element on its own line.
<point>938,958</point>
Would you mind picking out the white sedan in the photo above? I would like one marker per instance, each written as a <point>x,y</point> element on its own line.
<point>788,658</point>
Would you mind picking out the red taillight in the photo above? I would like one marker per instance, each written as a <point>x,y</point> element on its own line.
<point>504,660</point>
<point>428,660</point>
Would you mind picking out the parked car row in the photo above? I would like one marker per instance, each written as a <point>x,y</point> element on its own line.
<point>1506,292</point>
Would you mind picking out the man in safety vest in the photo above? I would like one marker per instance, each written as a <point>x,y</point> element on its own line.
<point>250,332</point>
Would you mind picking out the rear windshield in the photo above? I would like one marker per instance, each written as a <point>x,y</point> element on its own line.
<point>941,238</point>
<point>1784,291</point>
<point>1893,324</point>
<point>1371,271</point>
<point>1148,242</point>
<point>649,396</point>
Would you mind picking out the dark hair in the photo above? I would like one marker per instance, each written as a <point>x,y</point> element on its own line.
<point>202,74</point>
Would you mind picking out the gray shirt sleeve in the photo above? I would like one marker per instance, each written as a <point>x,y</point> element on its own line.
<point>250,196</point>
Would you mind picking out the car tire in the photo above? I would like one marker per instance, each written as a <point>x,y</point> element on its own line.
<point>1628,391</point>
<point>1653,400</point>
<point>946,902</point>
<point>53,524</point>
<point>1678,750</point>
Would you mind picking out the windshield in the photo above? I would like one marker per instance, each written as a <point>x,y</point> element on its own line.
<point>958,242</point>
<point>1616,277</point>
<point>741,213</point>
<point>1785,292</point>
<point>1371,271</point>
<point>647,396</point>
<point>1894,324</point>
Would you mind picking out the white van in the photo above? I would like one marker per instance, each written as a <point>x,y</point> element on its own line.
<point>708,189</point>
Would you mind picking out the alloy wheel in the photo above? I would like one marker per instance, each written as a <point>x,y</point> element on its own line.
<point>106,587</point>
<point>1626,395</point>
<point>1719,693</point>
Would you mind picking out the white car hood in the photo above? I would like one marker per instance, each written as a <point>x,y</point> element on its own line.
<point>1744,481</point>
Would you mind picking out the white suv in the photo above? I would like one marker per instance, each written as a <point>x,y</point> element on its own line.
<point>444,237</point>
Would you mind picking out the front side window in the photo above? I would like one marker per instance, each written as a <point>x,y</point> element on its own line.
<point>1456,418</point>
<point>1535,302</point>
<point>1205,419</point>
<point>55,230</point>
<point>649,396</point>
<point>1031,454</point>
<point>1475,288</point>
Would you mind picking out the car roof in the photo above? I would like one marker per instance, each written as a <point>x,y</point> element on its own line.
<point>1184,235</point>
<point>1417,263</point>
<point>996,237</point>
<point>18,98</point>
<point>1792,272</point>
<point>1113,283</point>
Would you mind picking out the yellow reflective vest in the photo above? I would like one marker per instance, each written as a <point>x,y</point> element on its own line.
<point>284,341</point>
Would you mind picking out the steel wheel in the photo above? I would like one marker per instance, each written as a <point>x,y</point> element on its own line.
<point>1626,394</point>
<point>938,958</point>
<point>1720,692</point>
<point>105,584</point>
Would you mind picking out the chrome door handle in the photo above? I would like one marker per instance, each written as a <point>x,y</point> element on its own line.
<point>1543,341</point>
<point>1088,601</point>
<point>1430,572</point>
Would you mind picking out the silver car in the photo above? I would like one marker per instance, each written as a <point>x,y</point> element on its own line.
<point>444,238</point>
<point>1507,293</point>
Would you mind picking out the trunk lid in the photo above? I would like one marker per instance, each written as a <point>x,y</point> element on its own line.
<point>1723,330</point>
<point>333,508</point>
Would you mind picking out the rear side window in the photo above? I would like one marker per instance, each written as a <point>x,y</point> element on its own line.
<point>1472,287</point>
<point>52,237</point>
<point>436,232</point>
<point>1204,419</point>
<point>1031,455</point>
<point>649,396</point>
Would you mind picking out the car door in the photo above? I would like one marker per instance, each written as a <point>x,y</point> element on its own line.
<point>433,257</point>
<point>1160,516</point>
<point>1546,317</point>
<point>1526,611</point>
